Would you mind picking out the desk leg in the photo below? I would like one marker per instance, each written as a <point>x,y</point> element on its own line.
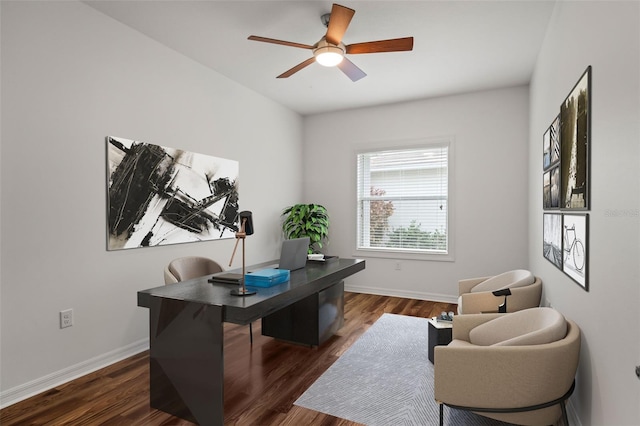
<point>186,360</point>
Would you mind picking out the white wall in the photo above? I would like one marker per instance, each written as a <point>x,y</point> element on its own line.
<point>70,77</point>
<point>490,131</point>
<point>605,35</point>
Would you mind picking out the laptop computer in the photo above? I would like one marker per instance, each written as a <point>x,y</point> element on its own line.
<point>294,253</point>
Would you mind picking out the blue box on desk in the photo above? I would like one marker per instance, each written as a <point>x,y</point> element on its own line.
<point>266,277</point>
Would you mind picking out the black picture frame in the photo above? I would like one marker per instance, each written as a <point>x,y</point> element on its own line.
<point>575,136</point>
<point>575,248</point>
<point>551,144</point>
<point>546,149</point>
<point>546,190</point>
<point>551,166</point>
<point>555,140</point>
<point>552,238</point>
<point>554,187</point>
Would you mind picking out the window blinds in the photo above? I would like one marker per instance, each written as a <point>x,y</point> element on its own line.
<point>402,199</point>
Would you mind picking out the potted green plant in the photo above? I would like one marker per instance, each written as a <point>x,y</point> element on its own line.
<point>307,220</point>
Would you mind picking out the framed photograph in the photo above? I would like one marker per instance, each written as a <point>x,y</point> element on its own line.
<point>551,144</point>
<point>554,136</point>
<point>158,195</point>
<point>552,238</point>
<point>546,190</point>
<point>551,188</point>
<point>575,134</point>
<point>554,187</point>
<point>575,248</point>
<point>546,149</point>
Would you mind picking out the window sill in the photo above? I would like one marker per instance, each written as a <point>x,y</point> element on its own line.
<point>408,255</point>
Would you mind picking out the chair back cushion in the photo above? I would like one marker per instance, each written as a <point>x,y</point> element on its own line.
<point>510,279</point>
<point>535,326</point>
<point>186,268</point>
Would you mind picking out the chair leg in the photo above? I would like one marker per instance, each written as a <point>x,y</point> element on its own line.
<point>565,418</point>
<point>441,414</point>
<point>251,333</point>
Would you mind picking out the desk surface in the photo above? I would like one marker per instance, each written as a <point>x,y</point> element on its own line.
<point>243,310</point>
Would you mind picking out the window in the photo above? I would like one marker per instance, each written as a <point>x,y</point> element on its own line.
<point>403,200</point>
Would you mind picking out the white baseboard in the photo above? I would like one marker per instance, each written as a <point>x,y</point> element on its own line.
<point>34,387</point>
<point>402,293</point>
<point>572,415</point>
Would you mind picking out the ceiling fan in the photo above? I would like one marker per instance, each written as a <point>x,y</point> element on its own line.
<point>330,50</point>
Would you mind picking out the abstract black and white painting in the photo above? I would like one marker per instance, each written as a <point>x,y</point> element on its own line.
<point>575,119</point>
<point>159,195</point>
<point>552,240</point>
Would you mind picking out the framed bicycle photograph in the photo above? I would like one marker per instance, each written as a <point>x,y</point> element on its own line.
<point>575,248</point>
<point>552,238</point>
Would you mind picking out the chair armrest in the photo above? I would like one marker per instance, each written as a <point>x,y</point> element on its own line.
<point>463,324</point>
<point>484,301</point>
<point>465,286</point>
<point>475,303</point>
<point>506,376</point>
<point>525,297</point>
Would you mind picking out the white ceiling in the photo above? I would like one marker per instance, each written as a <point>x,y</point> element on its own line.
<point>459,46</point>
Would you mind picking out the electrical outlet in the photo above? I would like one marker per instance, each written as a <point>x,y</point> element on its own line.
<point>66,318</point>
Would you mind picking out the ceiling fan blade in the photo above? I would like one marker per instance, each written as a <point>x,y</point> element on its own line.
<point>338,23</point>
<point>297,68</point>
<point>282,42</point>
<point>351,70</point>
<point>393,45</point>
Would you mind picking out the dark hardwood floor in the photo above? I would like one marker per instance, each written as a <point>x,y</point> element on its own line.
<point>261,381</point>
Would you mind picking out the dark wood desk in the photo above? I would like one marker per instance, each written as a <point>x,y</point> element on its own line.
<point>186,332</point>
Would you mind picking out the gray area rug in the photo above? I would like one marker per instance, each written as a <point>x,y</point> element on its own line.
<point>385,378</point>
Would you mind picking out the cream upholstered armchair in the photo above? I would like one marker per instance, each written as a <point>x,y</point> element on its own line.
<point>517,367</point>
<point>185,268</point>
<point>519,289</point>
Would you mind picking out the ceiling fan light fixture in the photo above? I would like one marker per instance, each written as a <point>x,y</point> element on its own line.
<point>328,56</point>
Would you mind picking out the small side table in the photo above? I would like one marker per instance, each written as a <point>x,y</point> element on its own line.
<point>439,334</point>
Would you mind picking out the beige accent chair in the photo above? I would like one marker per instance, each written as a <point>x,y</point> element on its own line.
<point>517,367</point>
<point>186,268</point>
<point>476,294</point>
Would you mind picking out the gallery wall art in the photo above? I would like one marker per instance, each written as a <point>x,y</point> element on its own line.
<point>565,183</point>
<point>159,195</point>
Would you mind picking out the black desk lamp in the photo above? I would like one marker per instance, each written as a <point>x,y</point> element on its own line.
<point>504,292</point>
<point>246,228</point>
